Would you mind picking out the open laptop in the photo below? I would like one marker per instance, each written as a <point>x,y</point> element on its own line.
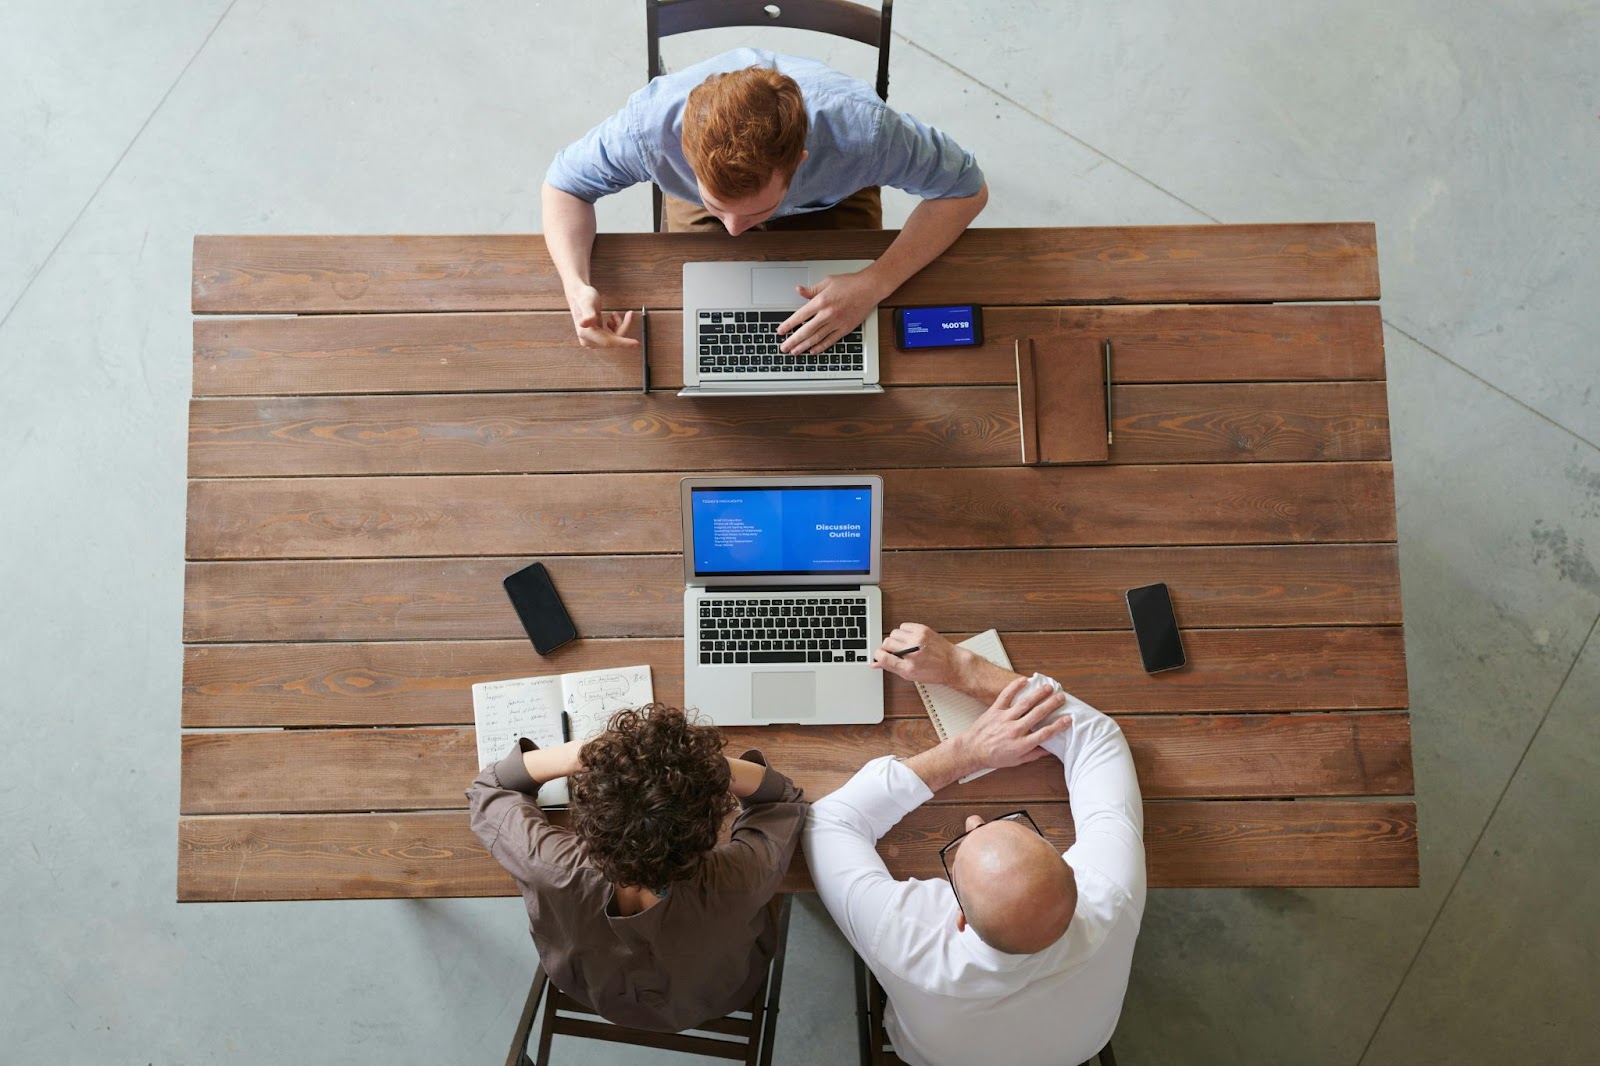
<point>782,612</point>
<point>731,312</point>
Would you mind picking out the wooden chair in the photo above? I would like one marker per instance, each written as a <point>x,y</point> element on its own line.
<point>841,18</point>
<point>875,1049</point>
<point>745,1035</point>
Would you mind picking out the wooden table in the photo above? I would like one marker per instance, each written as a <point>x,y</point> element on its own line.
<point>364,473</point>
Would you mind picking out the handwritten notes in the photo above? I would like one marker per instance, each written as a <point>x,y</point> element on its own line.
<point>531,707</point>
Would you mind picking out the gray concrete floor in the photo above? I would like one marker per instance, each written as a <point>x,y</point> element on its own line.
<point>1469,131</point>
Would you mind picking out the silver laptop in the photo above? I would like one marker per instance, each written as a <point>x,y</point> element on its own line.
<point>782,612</point>
<point>731,312</point>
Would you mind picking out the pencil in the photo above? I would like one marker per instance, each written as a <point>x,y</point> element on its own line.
<point>903,652</point>
<point>566,728</point>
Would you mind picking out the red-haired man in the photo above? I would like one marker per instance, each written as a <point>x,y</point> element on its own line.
<point>755,139</point>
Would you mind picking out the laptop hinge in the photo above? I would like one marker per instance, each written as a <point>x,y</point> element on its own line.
<point>784,588</point>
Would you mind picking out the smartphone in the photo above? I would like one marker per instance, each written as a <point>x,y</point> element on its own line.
<point>543,615</point>
<point>1156,628</point>
<point>945,326</point>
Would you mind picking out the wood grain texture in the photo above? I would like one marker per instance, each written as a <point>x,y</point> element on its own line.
<point>617,432</point>
<point>536,351</point>
<point>1307,843</point>
<point>628,513</point>
<point>506,272</point>
<point>1194,756</point>
<point>642,595</point>
<point>405,683</point>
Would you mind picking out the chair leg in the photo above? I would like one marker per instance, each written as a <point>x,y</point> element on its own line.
<point>769,1027</point>
<point>518,1055</point>
<point>547,1031</point>
<point>1107,1056</point>
<point>863,1021</point>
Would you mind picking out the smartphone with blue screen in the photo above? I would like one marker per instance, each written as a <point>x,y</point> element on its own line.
<point>944,326</point>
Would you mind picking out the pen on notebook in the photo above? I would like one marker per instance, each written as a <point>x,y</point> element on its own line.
<point>1108,389</point>
<point>903,652</point>
<point>566,728</point>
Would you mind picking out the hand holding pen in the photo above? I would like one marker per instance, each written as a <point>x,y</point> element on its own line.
<point>917,653</point>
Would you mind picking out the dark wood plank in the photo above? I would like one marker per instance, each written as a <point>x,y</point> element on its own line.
<point>1158,345</point>
<point>1188,843</point>
<point>536,351</point>
<point>403,683</point>
<point>642,595</point>
<point>1014,507</point>
<point>1193,756</point>
<point>406,353</point>
<point>513,272</point>
<point>616,432</point>
<point>1254,423</point>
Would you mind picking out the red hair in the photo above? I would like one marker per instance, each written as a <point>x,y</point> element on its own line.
<point>742,127</point>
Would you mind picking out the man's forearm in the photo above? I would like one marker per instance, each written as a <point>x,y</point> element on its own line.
<point>944,764</point>
<point>931,228</point>
<point>569,227</point>
<point>981,679</point>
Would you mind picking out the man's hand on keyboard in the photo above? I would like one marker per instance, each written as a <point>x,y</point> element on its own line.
<point>834,306</point>
<point>597,328</point>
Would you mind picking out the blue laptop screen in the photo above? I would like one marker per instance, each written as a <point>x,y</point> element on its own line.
<point>825,530</point>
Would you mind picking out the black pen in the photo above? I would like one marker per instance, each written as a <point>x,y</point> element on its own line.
<point>1108,389</point>
<point>566,728</point>
<point>903,652</point>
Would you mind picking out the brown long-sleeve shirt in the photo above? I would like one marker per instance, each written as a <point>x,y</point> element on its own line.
<point>697,954</point>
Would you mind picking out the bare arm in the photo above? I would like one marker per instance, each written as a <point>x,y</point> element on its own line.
<point>569,228</point>
<point>839,303</point>
<point>931,228</point>
<point>940,662</point>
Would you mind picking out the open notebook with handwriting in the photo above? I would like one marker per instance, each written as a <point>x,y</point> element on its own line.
<point>531,707</point>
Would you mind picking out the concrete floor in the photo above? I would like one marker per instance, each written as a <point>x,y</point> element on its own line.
<point>1469,131</point>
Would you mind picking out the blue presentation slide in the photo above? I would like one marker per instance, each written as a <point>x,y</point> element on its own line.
<point>783,531</point>
<point>934,327</point>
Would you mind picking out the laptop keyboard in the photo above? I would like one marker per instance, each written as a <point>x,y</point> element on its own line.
<point>773,629</point>
<point>745,342</point>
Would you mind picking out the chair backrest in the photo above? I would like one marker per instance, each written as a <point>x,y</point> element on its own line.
<point>840,18</point>
<point>746,1035</point>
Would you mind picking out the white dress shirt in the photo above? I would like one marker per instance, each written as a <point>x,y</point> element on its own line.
<point>953,999</point>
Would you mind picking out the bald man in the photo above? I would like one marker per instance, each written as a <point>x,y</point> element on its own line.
<point>1022,956</point>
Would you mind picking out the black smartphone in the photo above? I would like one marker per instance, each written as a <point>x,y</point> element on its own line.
<point>543,615</point>
<point>1156,628</point>
<point>945,326</point>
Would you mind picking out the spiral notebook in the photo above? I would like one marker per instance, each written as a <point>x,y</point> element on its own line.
<point>954,712</point>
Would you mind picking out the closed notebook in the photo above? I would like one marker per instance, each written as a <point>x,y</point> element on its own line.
<point>953,712</point>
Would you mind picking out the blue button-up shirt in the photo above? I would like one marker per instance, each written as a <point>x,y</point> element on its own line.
<point>855,140</point>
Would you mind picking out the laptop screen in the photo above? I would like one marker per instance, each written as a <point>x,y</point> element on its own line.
<point>755,531</point>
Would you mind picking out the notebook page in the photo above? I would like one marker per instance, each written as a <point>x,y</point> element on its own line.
<point>954,712</point>
<point>522,707</point>
<point>591,697</point>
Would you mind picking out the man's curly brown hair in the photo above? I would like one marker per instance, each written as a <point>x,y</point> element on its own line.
<point>650,796</point>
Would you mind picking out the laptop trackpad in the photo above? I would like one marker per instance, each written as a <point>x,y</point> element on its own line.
<point>775,286</point>
<point>783,696</point>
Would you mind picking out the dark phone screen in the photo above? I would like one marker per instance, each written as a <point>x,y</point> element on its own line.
<point>1156,628</point>
<point>543,616</point>
<point>951,326</point>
